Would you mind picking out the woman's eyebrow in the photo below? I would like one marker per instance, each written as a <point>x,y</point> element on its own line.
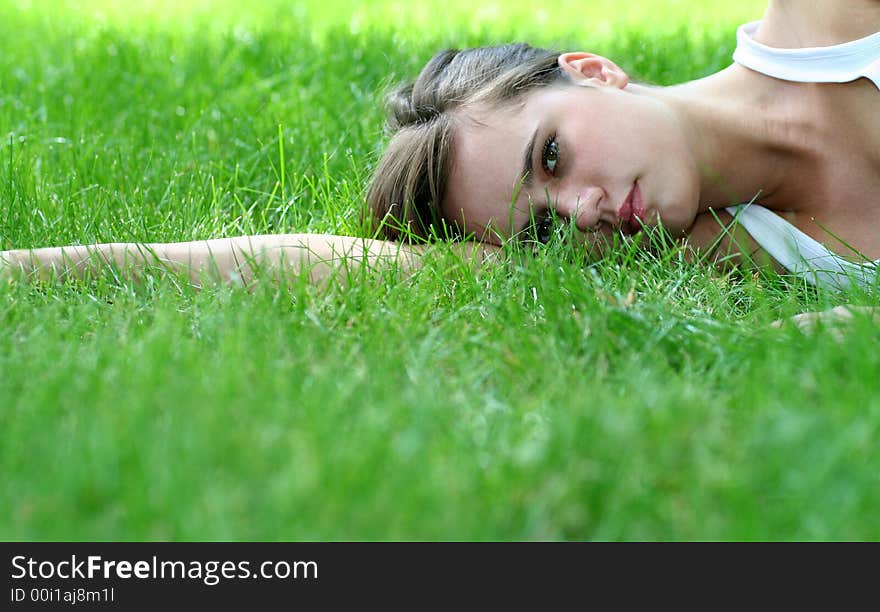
<point>525,177</point>
<point>525,180</point>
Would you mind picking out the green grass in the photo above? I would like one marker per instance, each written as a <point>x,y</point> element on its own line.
<point>636,398</point>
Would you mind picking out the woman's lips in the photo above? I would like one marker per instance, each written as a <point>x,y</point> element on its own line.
<point>632,211</point>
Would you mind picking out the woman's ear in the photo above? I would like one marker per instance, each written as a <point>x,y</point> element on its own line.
<point>590,69</point>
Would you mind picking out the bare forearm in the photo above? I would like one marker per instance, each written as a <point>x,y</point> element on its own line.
<point>223,259</point>
<point>80,261</point>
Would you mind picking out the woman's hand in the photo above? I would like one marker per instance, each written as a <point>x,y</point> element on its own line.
<point>837,318</point>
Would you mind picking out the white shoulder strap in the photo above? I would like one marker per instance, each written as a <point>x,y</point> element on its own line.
<point>799,253</point>
<point>835,64</point>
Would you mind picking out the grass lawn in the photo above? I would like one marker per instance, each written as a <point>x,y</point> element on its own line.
<point>638,397</point>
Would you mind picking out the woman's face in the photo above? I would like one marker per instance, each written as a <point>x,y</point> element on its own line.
<point>598,156</point>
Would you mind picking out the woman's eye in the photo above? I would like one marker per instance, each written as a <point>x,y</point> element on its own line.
<point>544,230</point>
<point>550,154</point>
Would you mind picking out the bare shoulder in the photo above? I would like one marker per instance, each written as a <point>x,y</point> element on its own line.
<point>794,24</point>
<point>715,238</point>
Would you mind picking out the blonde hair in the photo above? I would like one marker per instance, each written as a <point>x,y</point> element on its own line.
<point>405,194</point>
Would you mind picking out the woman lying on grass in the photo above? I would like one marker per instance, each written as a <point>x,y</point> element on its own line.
<point>514,142</point>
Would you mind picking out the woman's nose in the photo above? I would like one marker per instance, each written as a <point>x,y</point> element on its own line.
<point>580,207</point>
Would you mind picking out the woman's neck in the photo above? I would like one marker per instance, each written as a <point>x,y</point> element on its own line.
<point>819,23</point>
<point>747,136</point>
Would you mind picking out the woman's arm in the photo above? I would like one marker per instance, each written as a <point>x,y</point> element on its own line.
<point>224,259</point>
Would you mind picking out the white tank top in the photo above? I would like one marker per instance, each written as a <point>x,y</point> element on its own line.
<point>792,248</point>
